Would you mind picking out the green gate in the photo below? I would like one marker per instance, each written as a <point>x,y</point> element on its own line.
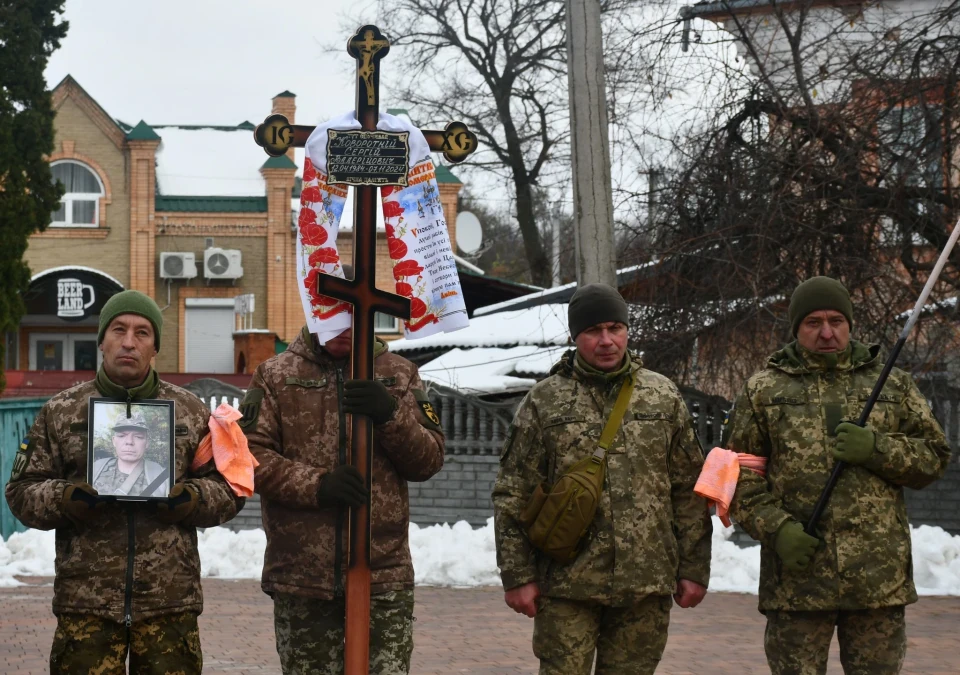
<point>16,418</point>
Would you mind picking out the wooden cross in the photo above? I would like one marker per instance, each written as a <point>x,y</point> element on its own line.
<point>276,136</point>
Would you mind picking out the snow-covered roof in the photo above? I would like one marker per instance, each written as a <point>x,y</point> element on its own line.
<point>557,293</point>
<point>542,325</point>
<point>209,161</point>
<point>487,370</point>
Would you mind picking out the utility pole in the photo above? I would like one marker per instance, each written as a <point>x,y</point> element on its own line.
<point>592,193</point>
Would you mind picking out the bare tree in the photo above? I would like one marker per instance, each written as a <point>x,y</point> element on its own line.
<point>500,66</point>
<point>824,142</point>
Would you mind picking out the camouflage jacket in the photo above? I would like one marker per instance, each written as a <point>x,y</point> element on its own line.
<point>865,558</point>
<point>650,529</point>
<point>298,432</point>
<point>125,562</point>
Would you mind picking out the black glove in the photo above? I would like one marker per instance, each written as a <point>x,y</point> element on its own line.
<point>370,398</point>
<point>180,503</point>
<point>343,485</point>
<point>80,503</point>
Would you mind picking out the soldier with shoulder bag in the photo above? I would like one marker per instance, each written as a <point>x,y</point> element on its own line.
<point>597,525</point>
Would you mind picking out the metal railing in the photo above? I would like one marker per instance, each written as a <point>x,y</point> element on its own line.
<point>16,418</point>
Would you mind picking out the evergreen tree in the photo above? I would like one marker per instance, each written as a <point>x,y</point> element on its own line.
<point>29,32</point>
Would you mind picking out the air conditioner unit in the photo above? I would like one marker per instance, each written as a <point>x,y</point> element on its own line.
<point>177,266</point>
<point>219,263</point>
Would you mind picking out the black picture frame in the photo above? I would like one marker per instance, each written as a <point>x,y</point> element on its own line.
<point>126,425</point>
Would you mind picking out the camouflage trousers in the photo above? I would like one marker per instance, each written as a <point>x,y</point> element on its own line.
<point>627,640</point>
<point>166,645</point>
<point>872,641</point>
<point>310,634</point>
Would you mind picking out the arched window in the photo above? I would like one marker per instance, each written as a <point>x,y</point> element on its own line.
<point>80,206</point>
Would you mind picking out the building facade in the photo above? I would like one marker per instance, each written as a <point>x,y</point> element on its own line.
<point>193,216</point>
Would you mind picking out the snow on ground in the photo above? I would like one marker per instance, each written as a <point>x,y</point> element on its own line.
<point>458,555</point>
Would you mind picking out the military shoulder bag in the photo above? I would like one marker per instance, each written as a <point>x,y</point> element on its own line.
<point>557,518</point>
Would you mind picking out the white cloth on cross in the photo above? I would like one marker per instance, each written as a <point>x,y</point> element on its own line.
<point>424,268</point>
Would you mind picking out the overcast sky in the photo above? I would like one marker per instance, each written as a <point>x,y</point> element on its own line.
<point>211,61</point>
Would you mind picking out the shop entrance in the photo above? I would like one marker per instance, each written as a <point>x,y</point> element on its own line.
<point>64,351</point>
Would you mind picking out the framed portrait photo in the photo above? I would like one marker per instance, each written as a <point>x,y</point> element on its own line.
<point>130,453</point>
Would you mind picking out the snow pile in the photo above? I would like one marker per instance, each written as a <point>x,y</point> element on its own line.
<point>936,561</point>
<point>27,554</point>
<point>733,569</point>
<point>458,555</point>
<point>454,556</point>
<point>231,555</point>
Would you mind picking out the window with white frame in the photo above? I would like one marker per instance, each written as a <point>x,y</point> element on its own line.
<point>384,323</point>
<point>80,205</point>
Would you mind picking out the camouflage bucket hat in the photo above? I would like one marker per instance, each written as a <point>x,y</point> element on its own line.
<point>134,422</point>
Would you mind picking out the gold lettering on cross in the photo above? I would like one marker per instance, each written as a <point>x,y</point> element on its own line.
<point>366,48</point>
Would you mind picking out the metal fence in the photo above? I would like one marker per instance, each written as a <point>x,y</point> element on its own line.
<point>16,418</point>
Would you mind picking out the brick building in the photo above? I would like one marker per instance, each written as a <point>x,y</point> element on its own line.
<point>193,216</point>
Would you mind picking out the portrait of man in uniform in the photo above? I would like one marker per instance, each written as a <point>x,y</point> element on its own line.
<point>130,456</point>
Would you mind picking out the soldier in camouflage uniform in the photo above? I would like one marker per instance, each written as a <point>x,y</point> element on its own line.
<point>127,573</point>
<point>295,418</point>
<point>650,538</point>
<point>856,574</point>
<point>130,443</point>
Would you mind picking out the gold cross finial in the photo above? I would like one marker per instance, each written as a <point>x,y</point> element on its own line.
<point>368,46</point>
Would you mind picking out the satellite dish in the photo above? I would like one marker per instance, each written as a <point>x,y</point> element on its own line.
<point>469,232</point>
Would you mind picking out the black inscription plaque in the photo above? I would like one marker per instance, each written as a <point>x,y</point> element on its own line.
<point>367,157</point>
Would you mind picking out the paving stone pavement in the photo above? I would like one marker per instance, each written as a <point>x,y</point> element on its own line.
<point>472,631</point>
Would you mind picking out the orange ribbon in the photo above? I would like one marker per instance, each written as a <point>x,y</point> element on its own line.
<point>227,445</point>
<point>718,478</point>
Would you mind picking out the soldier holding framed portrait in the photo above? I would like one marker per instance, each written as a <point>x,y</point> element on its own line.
<point>92,468</point>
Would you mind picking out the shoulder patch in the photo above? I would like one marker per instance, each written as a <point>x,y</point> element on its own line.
<point>429,417</point>
<point>250,408</point>
<point>78,427</point>
<point>22,458</point>
<point>181,430</point>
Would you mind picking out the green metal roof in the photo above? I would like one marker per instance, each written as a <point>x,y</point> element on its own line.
<point>281,162</point>
<point>444,175</point>
<point>286,94</point>
<point>397,111</point>
<point>244,126</point>
<point>142,132</point>
<point>211,204</point>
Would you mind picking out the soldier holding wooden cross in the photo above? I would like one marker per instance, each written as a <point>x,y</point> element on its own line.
<point>334,490</point>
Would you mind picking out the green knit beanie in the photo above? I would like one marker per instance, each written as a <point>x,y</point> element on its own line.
<point>815,294</point>
<point>131,302</point>
<point>593,304</point>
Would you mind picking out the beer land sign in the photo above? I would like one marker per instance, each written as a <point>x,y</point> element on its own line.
<point>71,295</point>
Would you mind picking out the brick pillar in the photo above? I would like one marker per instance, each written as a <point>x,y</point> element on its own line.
<point>285,104</point>
<point>448,198</point>
<point>142,182</point>
<point>254,347</point>
<point>284,313</point>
